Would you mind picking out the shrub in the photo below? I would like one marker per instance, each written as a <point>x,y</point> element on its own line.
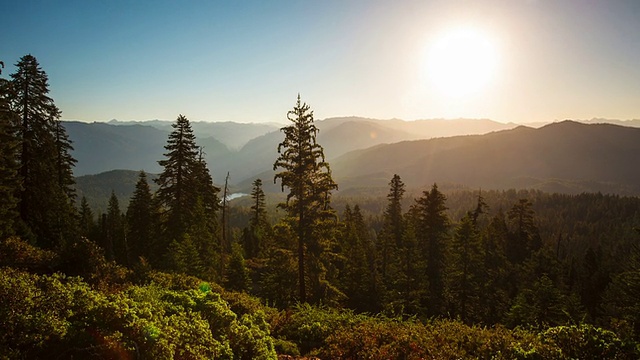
<point>589,342</point>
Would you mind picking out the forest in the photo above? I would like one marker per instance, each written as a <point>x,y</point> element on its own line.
<point>180,273</point>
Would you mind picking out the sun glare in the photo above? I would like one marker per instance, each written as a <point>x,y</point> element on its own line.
<point>461,62</point>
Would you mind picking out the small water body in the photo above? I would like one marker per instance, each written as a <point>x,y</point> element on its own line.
<point>236,195</point>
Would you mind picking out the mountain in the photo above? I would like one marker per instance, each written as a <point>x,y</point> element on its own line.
<point>137,146</point>
<point>101,147</point>
<point>232,134</point>
<point>568,157</point>
<point>97,188</point>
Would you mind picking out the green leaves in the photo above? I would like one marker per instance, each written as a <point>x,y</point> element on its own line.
<point>55,316</point>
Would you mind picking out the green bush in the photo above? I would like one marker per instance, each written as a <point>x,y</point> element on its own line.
<point>56,316</point>
<point>309,326</point>
<point>589,342</point>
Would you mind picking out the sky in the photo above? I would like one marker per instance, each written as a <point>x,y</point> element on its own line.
<point>247,61</point>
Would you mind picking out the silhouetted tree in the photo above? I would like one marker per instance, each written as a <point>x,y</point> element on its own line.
<point>177,192</point>
<point>391,235</point>
<point>359,279</point>
<point>494,298</point>
<point>86,220</point>
<point>46,198</point>
<point>432,225</point>
<point>254,235</point>
<point>141,220</point>
<point>307,175</point>
<point>188,197</point>
<point>526,238</point>
<point>115,245</point>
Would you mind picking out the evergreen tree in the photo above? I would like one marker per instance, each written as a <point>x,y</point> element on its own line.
<point>307,175</point>
<point>182,257</point>
<point>258,209</point>
<point>46,198</point>
<point>237,276</point>
<point>277,283</point>
<point>202,234</point>
<point>410,286</point>
<point>64,161</point>
<point>9,181</point>
<point>86,220</point>
<point>494,299</point>
<point>466,270</point>
<point>525,237</point>
<point>115,240</point>
<point>432,225</point>
<point>141,220</point>
<point>391,235</point>
<point>177,192</point>
<point>259,227</point>
<point>187,196</point>
<point>359,280</point>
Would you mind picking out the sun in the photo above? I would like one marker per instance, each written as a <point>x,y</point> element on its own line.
<point>461,62</point>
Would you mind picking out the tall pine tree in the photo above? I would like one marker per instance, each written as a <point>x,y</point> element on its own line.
<point>391,239</point>
<point>46,198</point>
<point>188,199</point>
<point>141,221</point>
<point>432,225</point>
<point>304,171</point>
<point>253,237</point>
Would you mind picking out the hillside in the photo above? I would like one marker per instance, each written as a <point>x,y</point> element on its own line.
<point>97,188</point>
<point>244,150</point>
<point>566,157</point>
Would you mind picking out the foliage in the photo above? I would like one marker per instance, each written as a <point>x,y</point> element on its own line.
<point>9,181</point>
<point>188,201</point>
<point>46,194</point>
<point>17,253</point>
<point>55,316</point>
<point>588,342</point>
<point>307,175</point>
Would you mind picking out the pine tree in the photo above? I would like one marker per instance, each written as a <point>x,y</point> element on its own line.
<point>115,239</point>
<point>188,198</point>
<point>359,279</point>
<point>432,225</point>
<point>525,237</point>
<point>307,175</point>
<point>277,283</point>
<point>259,227</point>
<point>466,270</point>
<point>258,209</point>
<point>393,225</point>
<point>87,223</point>
<point>495,290</point>
<point>141,220</point>
<point>237,276</point>
<point>9,181</point>
<point>177,192</point>
<point>46,198</point>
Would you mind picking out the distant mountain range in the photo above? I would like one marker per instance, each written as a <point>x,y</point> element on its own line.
<point>566,157</point>
<point>244,150</point>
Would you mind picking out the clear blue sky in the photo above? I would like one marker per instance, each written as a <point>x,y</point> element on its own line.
<point>247,60</point>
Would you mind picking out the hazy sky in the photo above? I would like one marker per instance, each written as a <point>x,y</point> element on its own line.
<point>248,60</point>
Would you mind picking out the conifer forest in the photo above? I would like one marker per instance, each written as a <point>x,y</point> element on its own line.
<point>183,272</point>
